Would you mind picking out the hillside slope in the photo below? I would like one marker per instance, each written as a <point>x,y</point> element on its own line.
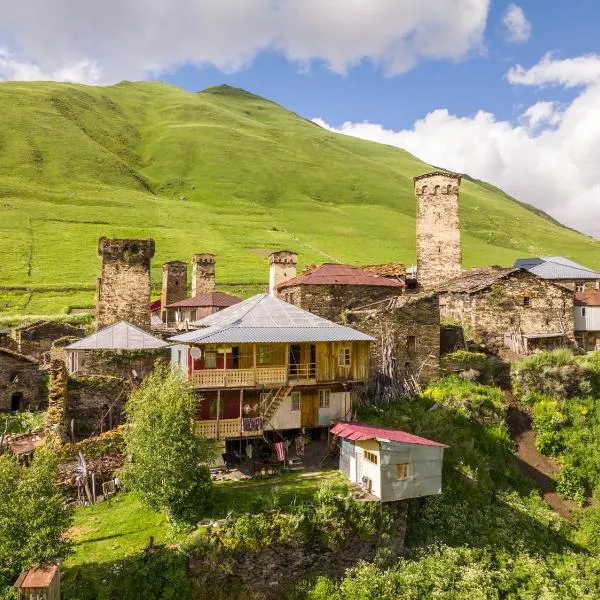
<point>221,171</point>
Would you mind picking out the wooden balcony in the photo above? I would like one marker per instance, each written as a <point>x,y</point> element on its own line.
<point>221,429</point>
<point>237,378</point>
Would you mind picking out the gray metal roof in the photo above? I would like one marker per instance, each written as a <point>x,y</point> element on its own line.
<point>120,336</point>
<point>264,318</point>
<point>556,267</point>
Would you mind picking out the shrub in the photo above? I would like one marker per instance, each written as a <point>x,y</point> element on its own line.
<point>463,359</point>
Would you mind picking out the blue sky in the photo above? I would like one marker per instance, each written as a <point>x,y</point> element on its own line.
<point>508,92</point>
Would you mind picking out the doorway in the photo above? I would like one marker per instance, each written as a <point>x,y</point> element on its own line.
<point>16,401</point>
<point>295,357</point>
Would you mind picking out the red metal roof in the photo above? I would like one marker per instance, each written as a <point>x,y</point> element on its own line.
<point>331,274</point>
<point>210,299</point>
<point>360,432</point>
<point>587,299</point>
<point>154,306</point>
<point>37,578</point>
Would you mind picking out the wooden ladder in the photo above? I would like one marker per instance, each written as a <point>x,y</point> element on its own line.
<point>281,394</point>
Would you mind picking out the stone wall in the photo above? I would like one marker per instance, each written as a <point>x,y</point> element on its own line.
<point>520,301</point>
<point>37,339</point>
<point>439,255</point>
<point>123,290</point>
<point>21,382</point>
<point>407,330</point>
<point>334,301</point>
<point>174,287</point>
<point>118,364</point>
<point>203,274</point>
<point>282,267</point>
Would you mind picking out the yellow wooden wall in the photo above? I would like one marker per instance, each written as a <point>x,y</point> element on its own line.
<point>327,361</point>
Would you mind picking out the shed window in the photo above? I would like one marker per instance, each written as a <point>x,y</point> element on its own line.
<point>583,311</point>
<point>526,301</point>
<point>371,457</point>
<point>402,471</point>
<point>295,401</point>
<point>344,357</point>
<point>323,398</point>
<point>210,360</point>
<point>411,344</point>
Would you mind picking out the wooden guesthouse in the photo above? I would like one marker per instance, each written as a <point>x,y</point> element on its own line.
<point>264,365</point>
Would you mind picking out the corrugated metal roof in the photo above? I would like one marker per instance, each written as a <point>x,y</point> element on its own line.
<point>264,318</point>
<point>332,274</point>
<point>120,336</point>
<point>361,432</point>
<point>556,267</point>
<point>210,299</point>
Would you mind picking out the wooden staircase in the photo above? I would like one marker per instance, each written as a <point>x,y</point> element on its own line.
<point>282,393</point>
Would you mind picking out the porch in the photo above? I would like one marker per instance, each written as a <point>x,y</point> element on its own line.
<point>236,378</point>
<point>222,429</point>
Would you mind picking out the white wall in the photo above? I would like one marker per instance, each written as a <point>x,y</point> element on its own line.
<point>285,417</point>
<point>365,468</point>
<point>339,404</point>
<point>589,322</point>
<point>180,352</point>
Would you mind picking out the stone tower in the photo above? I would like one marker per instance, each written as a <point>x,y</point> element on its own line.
<point>439,255</point>
<point>282,266</point>
<point>174,285</point>
<point>203,274</point>
<point>123,290</point>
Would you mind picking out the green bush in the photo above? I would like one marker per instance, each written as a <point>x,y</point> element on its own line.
<point>23,422</point>
<point>571,483</point>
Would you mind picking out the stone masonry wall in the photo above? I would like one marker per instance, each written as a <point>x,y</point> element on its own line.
<point>37,339</point>
<point>115,364</point>
<point>439,255</point>
<point>203,274</point>
<point>123,291</point>
<point>18,375</point>
<point>174,287</point>
<point>519,301</point>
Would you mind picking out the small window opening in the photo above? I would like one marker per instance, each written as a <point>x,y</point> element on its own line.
<point>16,401</point>
<point>371,457</point>
<point>344,357</point>
<point>583,311</point>
<point>323,398</point>
<point>402,471</point>
<point>295,401</point>
<point>526,301</point>
<point>411,344</point>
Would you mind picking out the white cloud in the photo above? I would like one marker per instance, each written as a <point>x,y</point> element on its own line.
<point>518,28</point>
<point>548,159</point>
<point>117,39</point>
<point>568,72</point>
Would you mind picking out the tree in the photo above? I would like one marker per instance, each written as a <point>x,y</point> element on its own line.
<point>167,463</point>
<point>33,515</point>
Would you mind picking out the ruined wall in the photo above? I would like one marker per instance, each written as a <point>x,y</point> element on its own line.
<point>203,274</point>
<point>21,381</point>
<point>37,339</point>
<point>333,301</point>
<point>282,267</point>
<point>439,255</point>
<point>116,364</point>
<point>123,290</point>
<point>174,287</point>
<point>519,301</point>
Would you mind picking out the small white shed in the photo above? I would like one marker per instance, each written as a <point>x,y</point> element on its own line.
<point>390,464</point>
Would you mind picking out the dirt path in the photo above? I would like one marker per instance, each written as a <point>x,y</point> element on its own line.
<point>534,465</point>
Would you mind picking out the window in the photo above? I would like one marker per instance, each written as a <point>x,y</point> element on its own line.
<point>263,354</point>
<point>179,358</point>
<point>193,314</point>
<point>583,311</point>
<point>323,398</point>
<point>295,401</point>
<point>597,285</point>
<point>526,301</point>
<point>402,471</point>
<point>411,344</point>
<point>344,357</point>
<point>210,360</point>
<point>371,457</point>
<point>580,287</point>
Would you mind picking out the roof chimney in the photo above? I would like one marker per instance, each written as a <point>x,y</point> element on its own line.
<point>174,285</point>
<point>282,266</point>
<point>203,274</point>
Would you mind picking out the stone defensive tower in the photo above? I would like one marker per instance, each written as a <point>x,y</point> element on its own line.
<point>123,290</point>
<point>282,266</point>
<point>203,274</point>
<point>174,285</point>
<point>439,255</point>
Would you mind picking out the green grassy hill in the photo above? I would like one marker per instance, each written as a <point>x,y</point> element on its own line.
<point>221,171</point>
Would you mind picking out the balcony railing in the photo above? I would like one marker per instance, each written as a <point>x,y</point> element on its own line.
<point>235,378</point>
<point>229,428</point>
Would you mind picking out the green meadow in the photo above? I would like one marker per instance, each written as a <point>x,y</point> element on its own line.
<point>219,171</point>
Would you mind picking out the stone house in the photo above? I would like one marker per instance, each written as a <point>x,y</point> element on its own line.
<point>509,307</point>
<point>195,308</point>
<point>21,382</point>
<point>587,320</point>
<point>36,340</point>
<point>563,271</point>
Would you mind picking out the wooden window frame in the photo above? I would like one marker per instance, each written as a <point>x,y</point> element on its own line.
<point>263,354</point>
<point>212,353</point>
<point>295,400</point>
<point>344,357</point>
<point>371,457</point>
<point>322,403</point>
<point>402,471</point>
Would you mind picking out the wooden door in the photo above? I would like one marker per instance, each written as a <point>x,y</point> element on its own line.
<point>309,409</point>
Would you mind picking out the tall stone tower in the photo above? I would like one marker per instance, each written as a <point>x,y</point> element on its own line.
<point>123,290</point>
<point>203,274</point>
<point>174,286</point>
<point>439,255</point>
<point>282,266</point>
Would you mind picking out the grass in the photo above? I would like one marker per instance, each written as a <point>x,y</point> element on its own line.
<point>115,530</point>
<point>221,171</point>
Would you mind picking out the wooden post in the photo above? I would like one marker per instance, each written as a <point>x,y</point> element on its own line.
<point>287,363</point>
<point>241,413</point>
<point>254,356</point>
<point>218,410</point>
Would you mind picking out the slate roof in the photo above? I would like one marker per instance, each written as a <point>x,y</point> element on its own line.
<point>120,336</point>
<point>587,299</point>
<point>264,318</point>
<point>475,280</point>
<point>19,356</point>
<point>332,274</point>
<point>209,299</point>
<point>556,267</point>
<point>361,432</point>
